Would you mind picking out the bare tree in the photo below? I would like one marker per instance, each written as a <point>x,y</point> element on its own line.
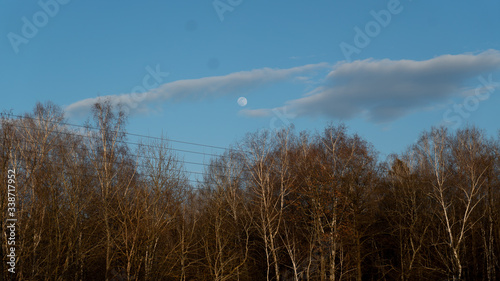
<point>408,213</point>
<point>279,207</point>
<point>165,188</point>
<point>107,154</point>
<point>228,224</point>
<point>266,159</point>
<point>457,181</point>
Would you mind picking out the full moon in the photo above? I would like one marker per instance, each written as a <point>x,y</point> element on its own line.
<point>242,101</point>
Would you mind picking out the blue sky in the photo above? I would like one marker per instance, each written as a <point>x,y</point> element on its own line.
<point>388,69</point>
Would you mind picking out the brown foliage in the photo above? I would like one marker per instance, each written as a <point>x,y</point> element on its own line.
<point>281,206</point>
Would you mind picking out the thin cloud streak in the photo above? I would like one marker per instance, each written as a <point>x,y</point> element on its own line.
<point>198,89</point>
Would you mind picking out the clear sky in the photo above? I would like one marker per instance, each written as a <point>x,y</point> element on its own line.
<point>388,69</point>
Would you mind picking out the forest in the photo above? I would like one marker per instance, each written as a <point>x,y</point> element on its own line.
<point>277,205</point>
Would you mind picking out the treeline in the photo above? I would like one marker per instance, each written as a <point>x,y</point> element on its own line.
<point>278,205</point>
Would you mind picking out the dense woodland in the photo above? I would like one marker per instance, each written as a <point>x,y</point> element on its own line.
<point>277,205</point>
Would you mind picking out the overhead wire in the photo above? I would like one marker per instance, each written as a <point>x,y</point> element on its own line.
<point>176,159</point>
<point>131,143</point>
<point>130,134</point>
<point>137,164</point>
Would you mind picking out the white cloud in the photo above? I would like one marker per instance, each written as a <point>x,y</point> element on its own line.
<point>384,90</point>
<point>198,89</point>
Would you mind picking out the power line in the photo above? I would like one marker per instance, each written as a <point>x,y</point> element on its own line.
<point>120,141</point>
<point>130,134</point>
<point>130,143</point>
<point>58,131</point>
<point>145,166</point>
<point>129,154</point>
